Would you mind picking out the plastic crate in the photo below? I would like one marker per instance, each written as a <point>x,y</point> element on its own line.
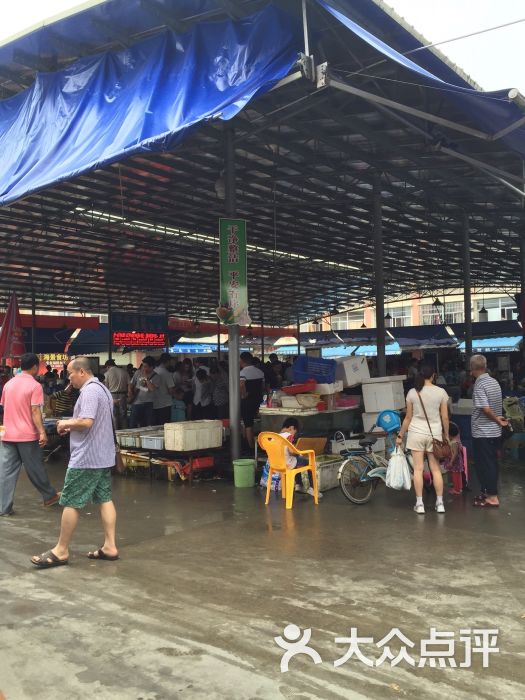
<point>193,435</point>
<point>152,441</point>
<point>308,385</point>
<point>203,462</point>
<point>306,367</point>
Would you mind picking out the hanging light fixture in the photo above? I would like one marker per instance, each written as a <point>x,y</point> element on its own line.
<point>483,314</point>
<point>363,325</point>
<point>437,302</point>
<point>388,320</point>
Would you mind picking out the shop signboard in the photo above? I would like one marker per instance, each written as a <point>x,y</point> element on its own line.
<point>54,357</point>
<point>139,339</point>
<point>150,323</point>
<point>233,302</point>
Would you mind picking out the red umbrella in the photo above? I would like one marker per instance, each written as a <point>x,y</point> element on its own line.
<point>12,336</point>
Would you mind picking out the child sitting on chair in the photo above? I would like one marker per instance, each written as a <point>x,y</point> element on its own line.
<point>455,464</point>
<point>289,431</point>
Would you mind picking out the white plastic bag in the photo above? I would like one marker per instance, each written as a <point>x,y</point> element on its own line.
<point>398,472</point>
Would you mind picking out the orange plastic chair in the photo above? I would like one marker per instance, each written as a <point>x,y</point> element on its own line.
<point>275,445</point>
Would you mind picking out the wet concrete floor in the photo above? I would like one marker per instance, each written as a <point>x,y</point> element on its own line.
<point>209,576</point>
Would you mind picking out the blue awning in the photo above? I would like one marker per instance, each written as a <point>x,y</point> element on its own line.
<point>360,351</point>
<point>494,344</point>
<point>48,340</point>
<point>424,337</point>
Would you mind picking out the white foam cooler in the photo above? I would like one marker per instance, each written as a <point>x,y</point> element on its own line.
<point>383,393</point>
<point>352,371</point>
<point>193,435</point>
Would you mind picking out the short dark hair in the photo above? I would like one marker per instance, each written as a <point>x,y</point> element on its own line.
<point>82,362</point>
<point>247,357</point>
<point>290,423</point>
<point>109,363</point>
<point>28,360</point>
<point>201,374</point>
<point>148,360</point>
<point>165,357</point>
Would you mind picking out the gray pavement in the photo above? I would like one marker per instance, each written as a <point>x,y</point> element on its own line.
<point>209,576</point>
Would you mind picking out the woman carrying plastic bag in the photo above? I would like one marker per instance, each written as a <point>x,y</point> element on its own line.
<point>398,472</point>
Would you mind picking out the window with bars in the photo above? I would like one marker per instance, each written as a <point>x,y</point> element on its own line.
<point>347,320</point>
<point>500,309</point>
<point>401,316</point>
<point>451,312</point>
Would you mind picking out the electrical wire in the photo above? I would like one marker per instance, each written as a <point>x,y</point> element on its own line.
<point>427,87</point>
<point>465,36</point>
<point>438,43</point>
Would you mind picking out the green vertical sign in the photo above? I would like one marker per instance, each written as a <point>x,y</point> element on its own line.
<point>233,302</point>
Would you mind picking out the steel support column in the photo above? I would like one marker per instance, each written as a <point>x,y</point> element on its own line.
<point>110,331</point>
<point>521,310</point>
<point>298,337</point>
<point>33,320</point>
<point>379,278</point>
<point>233,330</point>
<point>262,340</point>
<point>467,287</point>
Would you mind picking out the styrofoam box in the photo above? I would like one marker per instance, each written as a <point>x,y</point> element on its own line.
<point>193,435</point>
<point>289,402</point>
<point>383,393</point>
<point>325,389</point>
<point>327,470</point>
<point>352,371</point>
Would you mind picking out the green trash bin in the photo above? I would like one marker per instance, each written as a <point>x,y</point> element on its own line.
<point>244,473</point>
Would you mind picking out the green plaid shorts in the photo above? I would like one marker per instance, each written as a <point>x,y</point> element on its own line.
<point>84,485</point>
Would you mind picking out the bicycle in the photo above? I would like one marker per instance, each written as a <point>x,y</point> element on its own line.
<point>363,469</point>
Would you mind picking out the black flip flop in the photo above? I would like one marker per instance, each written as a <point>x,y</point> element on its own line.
<point>100,554</point>
<point>45,564</point>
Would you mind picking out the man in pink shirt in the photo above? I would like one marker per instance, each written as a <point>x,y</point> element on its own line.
<point>24,437</point>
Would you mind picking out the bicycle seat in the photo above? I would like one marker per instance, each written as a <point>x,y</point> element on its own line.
<point>368,441</point>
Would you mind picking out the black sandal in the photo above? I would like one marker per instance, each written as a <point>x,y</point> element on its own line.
<point>47,560</point>
<point>101,554</point>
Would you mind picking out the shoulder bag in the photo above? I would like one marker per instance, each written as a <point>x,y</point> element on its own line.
<point>440,448</point>
<point>118,467</point>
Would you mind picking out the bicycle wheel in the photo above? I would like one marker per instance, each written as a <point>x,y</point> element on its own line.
<point>354,489</point>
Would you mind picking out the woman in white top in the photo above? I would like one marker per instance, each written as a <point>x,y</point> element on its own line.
<point>420,435</point>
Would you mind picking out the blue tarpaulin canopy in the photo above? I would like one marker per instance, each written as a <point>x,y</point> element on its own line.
<point>104,102</point>
<point>143,98</point>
